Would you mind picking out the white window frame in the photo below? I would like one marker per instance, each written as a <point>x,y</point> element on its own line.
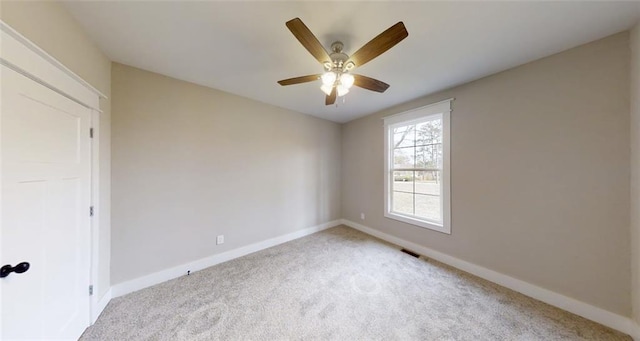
<point>441,109</point>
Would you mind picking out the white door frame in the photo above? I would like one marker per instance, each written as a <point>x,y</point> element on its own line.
<point>23,56</point>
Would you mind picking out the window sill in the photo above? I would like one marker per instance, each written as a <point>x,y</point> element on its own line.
<point>417,222</point>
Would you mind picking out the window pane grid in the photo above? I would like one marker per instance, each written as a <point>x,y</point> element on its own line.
<point>403,192</point>
<point>419,145</point>
<point>416,170</point>
<point>417,162</point>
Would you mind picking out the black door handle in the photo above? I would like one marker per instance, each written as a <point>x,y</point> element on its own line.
<point>5,270</point>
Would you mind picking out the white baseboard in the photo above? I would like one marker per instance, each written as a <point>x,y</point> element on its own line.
<point>99,307</point>
<point>609,319</point>
<point>165,275</point>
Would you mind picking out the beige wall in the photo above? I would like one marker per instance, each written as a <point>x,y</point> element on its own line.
<point>635,168</point>
<point>191,163</point>
<point>540,174</point>
<point>50,26</point>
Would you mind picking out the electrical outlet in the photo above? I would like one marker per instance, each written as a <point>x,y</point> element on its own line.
<point>362,216</point>
<point>220,239</point>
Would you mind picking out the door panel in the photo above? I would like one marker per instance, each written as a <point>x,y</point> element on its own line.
<point>46,136</point>
<point>46,174</point>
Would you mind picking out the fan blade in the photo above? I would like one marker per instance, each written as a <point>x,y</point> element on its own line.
<point>369,83</point>
<point>379,44</point>
<point>330,99</point>
<point>298,80</point>
<point>308,40</point>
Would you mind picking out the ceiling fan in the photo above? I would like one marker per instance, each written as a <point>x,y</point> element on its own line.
<point>337,78</point>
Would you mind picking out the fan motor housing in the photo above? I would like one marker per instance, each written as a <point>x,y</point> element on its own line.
<point>338,58</point>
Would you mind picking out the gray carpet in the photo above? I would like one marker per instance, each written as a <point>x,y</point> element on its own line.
<point>339,284</point>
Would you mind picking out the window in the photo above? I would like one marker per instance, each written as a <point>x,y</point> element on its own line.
<point>417,167</point>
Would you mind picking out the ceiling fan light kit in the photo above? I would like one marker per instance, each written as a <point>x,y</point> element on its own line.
<point>342,83</point>
<point>337,78</point>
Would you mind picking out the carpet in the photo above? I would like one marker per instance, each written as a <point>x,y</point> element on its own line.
<point>338,284</point>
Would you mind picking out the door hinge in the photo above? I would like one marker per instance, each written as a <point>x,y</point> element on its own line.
<point>91,211</point>
<point>91,132</point>
<point>91,290</point>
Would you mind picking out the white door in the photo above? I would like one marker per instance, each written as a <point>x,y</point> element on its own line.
<point>45,178</point>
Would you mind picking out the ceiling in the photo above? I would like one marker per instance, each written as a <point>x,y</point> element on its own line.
<point>244,47</point>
